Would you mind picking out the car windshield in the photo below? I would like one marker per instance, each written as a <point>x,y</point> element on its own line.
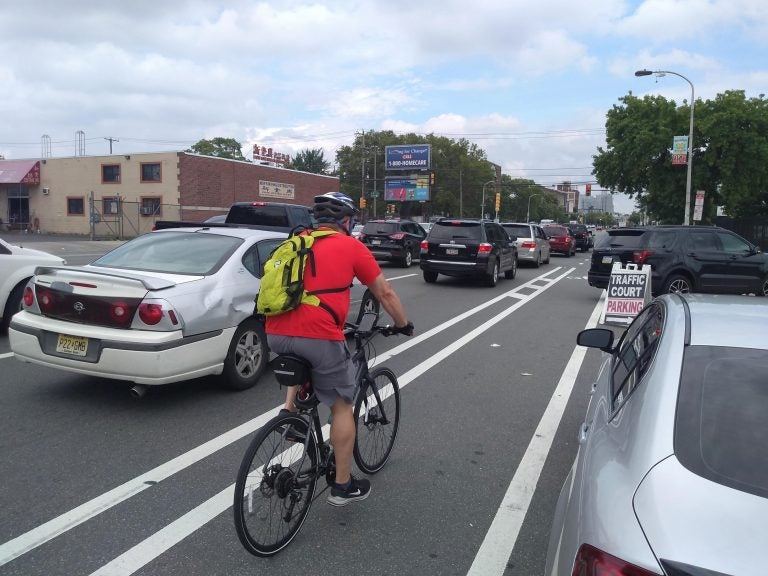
<point>455,230</point>
<point>372,228</point>
<point>172,252</point>
<point>629,239</point>
<point>521,231</point>
<point>721,416</point>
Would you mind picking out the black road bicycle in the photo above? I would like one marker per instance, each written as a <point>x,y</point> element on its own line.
<point>278,476</point>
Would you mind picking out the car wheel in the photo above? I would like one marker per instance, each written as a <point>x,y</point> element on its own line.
<point>493,278</point>
<point>547,260</point>
<point>537,263</point>
<point>13,304</point>
<point>247,356</point>
<point>430,277</point>
<point>764,291</point>
<point>512,272</point>
<point>407,259</point>
<point>568,253</point>
<point>369,303</point>
<point>678,283</point>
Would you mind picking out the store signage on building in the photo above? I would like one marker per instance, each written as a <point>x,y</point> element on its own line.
<point>264,154</point>
<point>409,157</point>
<point>278,190</point>
<point>629,291</point>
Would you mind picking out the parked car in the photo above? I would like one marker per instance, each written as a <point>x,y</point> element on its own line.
<point>393,240</point>
<point>669,478</point>
<point>470,248</point>
<point>274,216</point>
<point>580,236</point>
<point>17,265</point>
<point>532,243</point>
<point>560,240</point>
<point>683,259</point>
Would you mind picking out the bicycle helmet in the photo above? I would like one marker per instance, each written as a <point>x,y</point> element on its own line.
<point>334,205</point>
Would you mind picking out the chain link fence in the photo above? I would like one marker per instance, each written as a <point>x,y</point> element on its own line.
<point>117,219</point>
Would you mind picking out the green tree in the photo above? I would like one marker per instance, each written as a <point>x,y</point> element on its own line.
<point>730,154</point>
<point>219,147</point>
<point>310,161</point>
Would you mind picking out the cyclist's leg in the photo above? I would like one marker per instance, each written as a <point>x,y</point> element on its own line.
<point>342,438</point>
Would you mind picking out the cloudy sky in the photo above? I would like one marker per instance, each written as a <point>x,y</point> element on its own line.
<point>528,81</point>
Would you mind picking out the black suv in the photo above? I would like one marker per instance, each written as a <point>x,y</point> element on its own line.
<point>465,247</point>
<point>581,235</point>
<point>684,259</point>
<point>393,240</point>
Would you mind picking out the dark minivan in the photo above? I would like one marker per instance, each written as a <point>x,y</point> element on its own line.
<point>684,259</point>
<point>467,247</point>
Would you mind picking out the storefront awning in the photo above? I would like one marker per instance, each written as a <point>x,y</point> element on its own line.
<point>19,171</point>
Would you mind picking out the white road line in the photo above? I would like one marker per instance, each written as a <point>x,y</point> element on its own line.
<point>41,534</point>
<point>147,550</point>
<point>6,355</point>
<point>500,540</point>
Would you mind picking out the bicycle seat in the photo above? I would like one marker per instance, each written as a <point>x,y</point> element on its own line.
<point>293,370</point>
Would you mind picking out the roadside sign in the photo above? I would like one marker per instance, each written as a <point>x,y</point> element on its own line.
<point>698,207</point>
<point>629,291</point>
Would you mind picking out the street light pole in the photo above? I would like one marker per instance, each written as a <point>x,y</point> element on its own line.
<point>482,207</point>
<point>528,213</point>
<point>659,73</point>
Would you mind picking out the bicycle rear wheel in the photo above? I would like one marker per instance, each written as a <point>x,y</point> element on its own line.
<point>275,485</point>
<point>377,414</point>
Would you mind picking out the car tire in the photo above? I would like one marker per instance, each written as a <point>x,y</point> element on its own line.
<point>678,283</point>
<point>407,259</point>
<point>512,272</point>
<point>368,303</point>
<point>764,291</point>
<point>13,304</point>
<point>548,257</point>
<point>430,277</point>
<point>537,262</point>
<point>493,277</point>
<point>247,356</point>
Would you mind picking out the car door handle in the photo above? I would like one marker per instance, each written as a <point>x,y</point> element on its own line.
<point>583,431</point>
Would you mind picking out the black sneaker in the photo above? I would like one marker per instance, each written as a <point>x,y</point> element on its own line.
<point>357,490</point>
<point>292,434</point>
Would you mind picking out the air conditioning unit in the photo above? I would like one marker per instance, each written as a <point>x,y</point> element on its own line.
<point>46,191</point>
<point>146,210</point>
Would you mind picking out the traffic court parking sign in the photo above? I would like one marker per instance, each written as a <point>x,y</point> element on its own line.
<point>629,291</point>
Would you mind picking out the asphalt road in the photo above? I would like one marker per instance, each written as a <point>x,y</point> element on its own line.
<point>494,391</point>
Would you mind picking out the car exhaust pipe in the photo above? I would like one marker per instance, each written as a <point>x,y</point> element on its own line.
<point>139,391</point>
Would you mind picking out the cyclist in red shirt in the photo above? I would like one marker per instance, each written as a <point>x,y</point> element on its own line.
<point>317,332</point>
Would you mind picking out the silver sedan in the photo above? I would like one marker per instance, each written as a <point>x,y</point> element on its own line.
<point>671,476</point>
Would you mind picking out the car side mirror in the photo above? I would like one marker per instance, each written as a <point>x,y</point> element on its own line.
<point>600,338</point>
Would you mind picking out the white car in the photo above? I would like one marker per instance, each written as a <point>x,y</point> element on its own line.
<point>17,265</point>
<point>167,306</point>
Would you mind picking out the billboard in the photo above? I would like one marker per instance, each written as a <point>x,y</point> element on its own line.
<point>413,187</point>
<point>408,157</point>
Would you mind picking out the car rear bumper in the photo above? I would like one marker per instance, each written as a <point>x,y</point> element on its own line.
<point>453,268</point>
<point>598,279</point>
<point>143,357</point>
<point>388,253</point>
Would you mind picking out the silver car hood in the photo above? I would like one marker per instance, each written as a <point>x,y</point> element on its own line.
<point>691,520</point>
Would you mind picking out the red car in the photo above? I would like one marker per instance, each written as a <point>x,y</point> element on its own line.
<point>560,240</point>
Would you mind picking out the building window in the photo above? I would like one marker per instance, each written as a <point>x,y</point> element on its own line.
<point>151,172</point>
<point>151,206</point>
<point>75,206</point>
<point>110,173</point>
<point>110,205</point>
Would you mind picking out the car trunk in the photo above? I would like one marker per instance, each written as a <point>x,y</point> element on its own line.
<point>379,233</point>
<point>616,246</point>
<point>454,240</point>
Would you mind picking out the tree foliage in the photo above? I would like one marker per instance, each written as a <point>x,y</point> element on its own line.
<point>219,147</point>
<point>730,154</point>
<point>310,161</point>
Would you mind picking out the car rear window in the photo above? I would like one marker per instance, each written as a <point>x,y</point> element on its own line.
<point>555,230</point>
<point>380,228</point>
<point>454,230</point>
<point>521,231</point>
<point>261,215</point>
<point>721,429</point>
<point>172,252</point>
<point>577,228</point>
<point>629,239</point>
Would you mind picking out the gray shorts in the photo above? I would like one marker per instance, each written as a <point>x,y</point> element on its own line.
<point>333,372</point>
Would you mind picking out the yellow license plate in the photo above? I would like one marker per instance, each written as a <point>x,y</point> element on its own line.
<point>74,345</point>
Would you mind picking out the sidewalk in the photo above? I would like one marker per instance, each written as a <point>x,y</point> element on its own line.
<point>57,243</point>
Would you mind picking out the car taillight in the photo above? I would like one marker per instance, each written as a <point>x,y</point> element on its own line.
<point>484,248</point>
<point>640,256</point>
<point>424,245</point>
<point>528,245</point>
<point>29,296</point>
<point>150,314</point>
<point>591,561</point>
<point>120,312</point>
<point>397,236</point>
<point>361,237</point>
<point>45,299</point>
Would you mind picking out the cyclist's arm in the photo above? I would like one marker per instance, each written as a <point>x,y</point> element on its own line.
<point>388,298</point>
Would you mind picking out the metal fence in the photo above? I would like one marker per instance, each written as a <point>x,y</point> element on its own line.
<point>116,219</point>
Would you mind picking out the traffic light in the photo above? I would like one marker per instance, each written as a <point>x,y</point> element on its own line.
<point>362,202</point>
<point>589,190</point>
<point>498,201</point>
<point>431,178</point>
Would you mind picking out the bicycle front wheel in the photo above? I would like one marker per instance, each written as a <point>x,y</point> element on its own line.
<point>377,415</point>
<point>275,485</point>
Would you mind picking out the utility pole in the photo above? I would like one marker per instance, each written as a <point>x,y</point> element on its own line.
<point>110,139</point>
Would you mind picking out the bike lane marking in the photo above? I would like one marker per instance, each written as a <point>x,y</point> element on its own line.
<point>499,542</point>
<point>41,534</point>
<point>158,543</point>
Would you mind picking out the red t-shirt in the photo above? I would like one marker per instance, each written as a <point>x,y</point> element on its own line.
<point>338,259</point>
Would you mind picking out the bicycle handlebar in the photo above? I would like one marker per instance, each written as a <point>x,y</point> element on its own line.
<point>407,330</point>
